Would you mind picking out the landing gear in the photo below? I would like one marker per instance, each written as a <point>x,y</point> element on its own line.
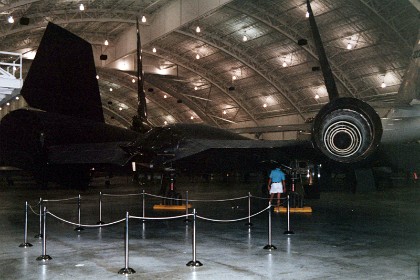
<point>171,196</point>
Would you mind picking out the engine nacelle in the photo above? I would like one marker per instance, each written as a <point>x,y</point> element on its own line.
<point>347,130</point>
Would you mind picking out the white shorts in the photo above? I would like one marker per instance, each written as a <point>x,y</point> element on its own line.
<point>276,188</point>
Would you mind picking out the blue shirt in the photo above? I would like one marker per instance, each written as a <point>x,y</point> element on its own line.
<point>277,175</point>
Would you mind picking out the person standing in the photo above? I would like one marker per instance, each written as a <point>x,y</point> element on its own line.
<point>276,184</point>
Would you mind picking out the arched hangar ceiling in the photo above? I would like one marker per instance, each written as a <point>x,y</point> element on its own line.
<point>234,83</point>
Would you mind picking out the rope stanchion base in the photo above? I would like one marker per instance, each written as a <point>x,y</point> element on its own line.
<point>79,229</point>
<point>39,235</point>
<point>44,258</point>
<point>288,232</point>
<point>194,263</point>
<point>281,209</point>
<point>126,270</point>
<point>270,247</point>
<point>170,207</point>
<point>25,245</point>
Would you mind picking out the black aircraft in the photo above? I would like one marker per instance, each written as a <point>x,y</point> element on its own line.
<point>65,136</point>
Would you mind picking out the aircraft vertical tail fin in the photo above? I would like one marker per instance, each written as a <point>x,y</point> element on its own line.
<point>62,77</point>
<point>410,87</point>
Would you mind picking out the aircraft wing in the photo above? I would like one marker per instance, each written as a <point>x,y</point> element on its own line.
<point>192,147</point>
<point>91,153</point>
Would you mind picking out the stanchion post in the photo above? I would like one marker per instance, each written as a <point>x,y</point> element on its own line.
<point>25,238</point>
<point>249,224</point>
<point>79,202</point>
<point>269,246</point>
<point>144,207</point>
<point>187,220</point>
<point>126,270</point>
<point>39,235</point>
<point>100,222</point>
<point>194,261</point>
<point>44,256</point>
<point>288,231</point>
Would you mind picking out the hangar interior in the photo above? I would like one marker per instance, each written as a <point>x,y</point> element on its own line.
<point>228,64</point>
<point>248,66</point>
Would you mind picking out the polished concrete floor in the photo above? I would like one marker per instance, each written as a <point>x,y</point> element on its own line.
<point>348,236</point>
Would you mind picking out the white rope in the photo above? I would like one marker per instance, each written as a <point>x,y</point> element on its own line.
<point>91,226</point>
<point>130,194</point>
<point>161,218</point>
<point>196,200</point>
<point>56,200</point>
<point>30,207</point>
<point>236,220</point>
<point>267,198</point>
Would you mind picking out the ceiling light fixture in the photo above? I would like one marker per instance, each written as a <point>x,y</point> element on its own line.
<point>197,56</point>
<point>10,19</point>
<point>120,108</point>
<point>17,97</point>
<point>224,112</point>
<point>192,117</point>
<point>198,29</point>
<point>154,50</point>
<point>245,38</point>
<point>265,105</point>
<point>110,89</point>
<point>165,122</point>
<point>234,77</point>
<point>143,19</point>
<point>97,77</point>
<point>316,96</point>
<point>349,46</point>
<point>195,88</point>
<point>284,64</point>
<point>383,85</point>
<point>307,14</point>
<point>165,96</point>
<point>8,104</point>
<point>133,80</point>
<point>106,43</point>
<point>82,7</point>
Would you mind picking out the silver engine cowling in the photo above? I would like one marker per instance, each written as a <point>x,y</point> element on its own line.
<point>347,130</point>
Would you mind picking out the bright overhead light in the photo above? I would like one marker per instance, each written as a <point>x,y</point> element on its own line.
<point>244,38</point>
<point>110,89</point>
<point>154,50</point>
<point>165,122</point>
<point>10,19</point>
<point>316,96</point>
<point>120,108</point>
<point>383,85</point>
<point>307,14</point>
<point>224,112</point>
<point>192,117</point>
<point>349,46</point>
<point>133,80</point>
<point>265,105</point>
<point>198,29</point>
<point>195,88</point>
<point>97,77</point>
<point>234,77</point>
<point>165,96</point>
<point>143,19</point>
<point>197,56</point>
<point>8,104</point>
<point>284,64</point>
<point>82,7</point>
<point>106,43</point>
<point>17,97</point>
